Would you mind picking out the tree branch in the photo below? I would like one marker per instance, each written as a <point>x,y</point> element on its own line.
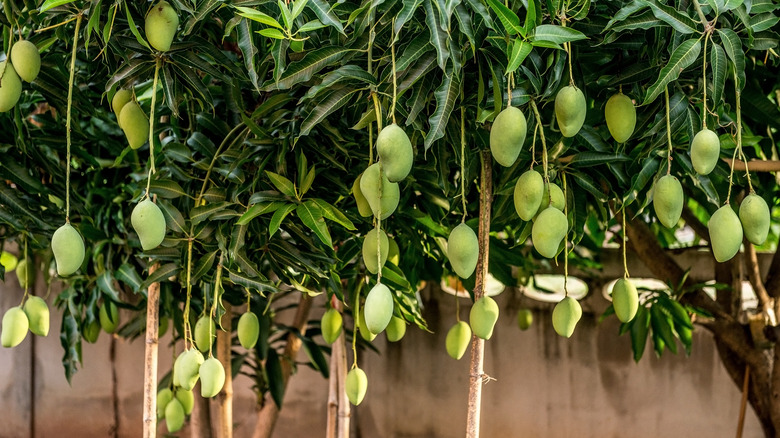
<point>754,274</point>
<point>696,225</point>
<point>772,283</point>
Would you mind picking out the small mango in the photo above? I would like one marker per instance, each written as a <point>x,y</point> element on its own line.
<point>148,221</point>
<point>120,99</point>
<point>91,332</point>
<point>356,385</point>
<point>37,312</point>
<point>212,377</point>
<point>463,250</point>
<point>25,273</point>
<point>755,216</point>
<point>331,325</point>
<point>164,396</point>
<point>551,197</point>
<point>160,26</point>
<point>363,328</point>
<point>134,124</point>
<point>524,319</point>
<point>370,243</point>
<point>382,200</point>
<point>174,416</point>
<point>566,315</point>
<point>187,400</point>
<point>625,299</point>
<point>570,110</point>
<point>620,114</point>
<point>548,231</point>
<point>248,330</point>
<point>109,316</point>
<point>205,332</point>
<point>395,152</point>
<point>176,370</point>
<point>10,86</point>
<point>396,329</point>
<point>15,327</point>
<point>705,151</point>
<point>507,136</point>
<point>26,60</point>
<point>68,248</point>
<point>725,233</point>
<point>668,200</point>
<point>362,203</point>
<point>393,252</point>
<point>457,341</point>
<point>8,260</point>
<point>529,190</point>
<point>483,317</point>
<point>378,308</point>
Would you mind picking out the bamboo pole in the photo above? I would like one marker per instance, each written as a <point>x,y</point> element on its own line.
<point>150,358</point>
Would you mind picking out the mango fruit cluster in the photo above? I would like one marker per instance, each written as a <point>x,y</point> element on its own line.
<point>727,229</point>
<point>23,64</point>
<point>33,316</point>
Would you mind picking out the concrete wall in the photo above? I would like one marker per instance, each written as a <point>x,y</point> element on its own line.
<point>546,386</point>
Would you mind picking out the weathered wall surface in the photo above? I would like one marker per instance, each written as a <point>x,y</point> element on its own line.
<point>546,386</point>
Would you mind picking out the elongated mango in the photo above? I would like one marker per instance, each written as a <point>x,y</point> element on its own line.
<point>548,231</point>
<point>14,328</point>
<point>356,385</point>
<point>212,377</point>
<point>668,200</point>
<point>248,330</point>
<point>68,248</point>
<point>174,416</point>
<point>10,86</point>
<point>363,328</point>
<point>529,190</point>
<point>483,317</point>
<point>396,329</point>
<point>625,299</point>
<point>755,216</point>
<point>26,60</point>
<point>621,117</point>
<point>176,372</point>
<point>37,312</point>
<point>507,136</point>
<point>570,109</point>
<point>134,124</point>
<point>189,368</point>
<point>566,315</point>
<point>395,152</point>
<point>457,341</point>
<point>362,203</point>
<point>373,244</point>
<point>331,325</point>
<point>725,233</point>
<point>463,250</point>
<point>25,273</point>
<point>383,199</point>
<point>148,221</point>
<point>393,251</point>
<point>120,99</point>
<point>378,308</point>
<point>109,316</point>
<point>205,332</point>
<point>160,26</point>
<point>705,151</point>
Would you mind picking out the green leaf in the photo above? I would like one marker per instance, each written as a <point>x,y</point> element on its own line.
<point>203,265</point>
<point>349,72</point>
<point>763,22</point>
<point>326,16</point>
<point>129,276</point>
<point>173,217</point>
<point>662,327</point>
<point>406,12</point>
<point>684,55</point>
<point>438,37</point>
<point>298,6</point>
<point>202,213</point>
<point>719,68</point>
<point>303,70</point>
<point>162,273</point>
<point>520,50</point>
<point>261,286</point>
<point>639,329</point>
<point>645,20</point>
<point>334,214</point>
<point>589,158</point>
<point>275,377</point>
<point>446,96</point>
<point>733,46</point>
<point>248,51</point>
<point>282,184</point>
<point>258,16</point>
<point>257,210</point>
<point>314,352</point>
<point>105,282</point>
<point>134,30</point>
<point>166,188</point>
<point>327,106</point>
<point>732,4</point>
<point>556,34</point>
<point>272,33</point>
<point>311,216</point>
<point>413,52</point>
<point>625,12</point>
<point>311,26</point>
<point>278,217</point>
<point>679,21</point>
<point>51,4</point>
<point>509,19</point>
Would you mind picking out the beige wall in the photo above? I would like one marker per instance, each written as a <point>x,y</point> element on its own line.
<point>546,386</point>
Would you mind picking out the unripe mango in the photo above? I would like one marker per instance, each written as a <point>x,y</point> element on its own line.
<point>187,400</point>
<point>248,330</point>
<point>356,385</point>
<point>8,260</point>
<point>529,190</point>
<point>331,325</point>
<point>26,60</point>
<point>212,377</point>
<point>163,327</point>
<point>524,319</point>
<point>725,233</point>
<point>395,152</point>
<point>134,124</point>
<point>370,250</point>
<point>382,204</point>
<point>174,416</point>
<point>621,117</point>
<point>458,338</point>
<point>164,396</point>
<point>393,252</point>
<point>483,317</point>
<point>754,215</point>
<point>176,371</point>
<point>37,312</point>
<point>362,203</point>
<point>566,315</point>
<point>68,248</point>
<point>363,328</point>
<point>396,329</point>
<point>91,332</point>
<point>120,99</point>
<point>10,86</point>
<point>149,222</point>
<point>668,200</point>
<point>507,136</point>
<point>160,26</point>
<point>548,231</point>
<point>570,109</point>
<point>15,327</point>
<point>378,308</point>
<point>551,197</point>
<point>705,151</point>
<point>463,250</point>
<point>189,368</point>
<point>109,316</point>
<point>205,332</point>
<point>25,273</point>
<point>625,299</point>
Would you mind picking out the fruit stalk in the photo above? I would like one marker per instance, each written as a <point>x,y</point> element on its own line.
<point>150,358</point>
<point>738,98</point>
<point>151,126</point>
<point>463,161</point>
<point>68,117</point>
<point>477,375</point>
<point>544,142</point>
<point>704,81</point>
<point>668,132</point>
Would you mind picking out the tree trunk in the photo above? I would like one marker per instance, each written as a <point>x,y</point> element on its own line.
<point>476,375</point>
<point>200,420</point>
<point>225,397</point>
<point>150,358</point>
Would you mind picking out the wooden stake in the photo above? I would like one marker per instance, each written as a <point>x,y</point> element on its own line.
<point>225,397</point>
<point>150,358</point>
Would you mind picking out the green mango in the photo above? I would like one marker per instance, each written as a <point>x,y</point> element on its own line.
<point>705,151</point>
<point>458,338</point>
<point>148,221</point>
<point>164,396</point>
<point>363,328</point>
<point>162,327</point>
<point>134,124</point>
<point>483,317</point>
<point>25,273</point>
<point>552,196</point>
<point>109,316</point>
<point>248,330</point>
<point>370,243</point>
<point>393,252</point>
<point>10,86</point>
<point>120,99</point>
<point>548,231</point>
<point>205,332</point>
<point>385,204</point>
<point>463,250</point>
<point>362,203</point>
<point>570,110</point>
<point>176,371</point>
<point>620,114</point>
<point>26,60</point>
<point>755,217</point>
<point>524,319</point>
<point>356,385</point>
<point>189,368</point>
<point>331,325</point>
<point>566,315</point>
<point>507,136</point>
<point>160,26</point>
<point>187,400</point>
<point>395,152</point>
<point>174,416</point>
<point>212,377</point>
<point>14,328</point>
<point>668,200</point>
<point>9,261</point>
<point>378,308</point>
<point>396,329</point>
<point>725,233</point>
<point>529,190</point>
<point>37,312</point>
<point>625,299</point>
<point>68,248</point>
<point>91,332</point>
